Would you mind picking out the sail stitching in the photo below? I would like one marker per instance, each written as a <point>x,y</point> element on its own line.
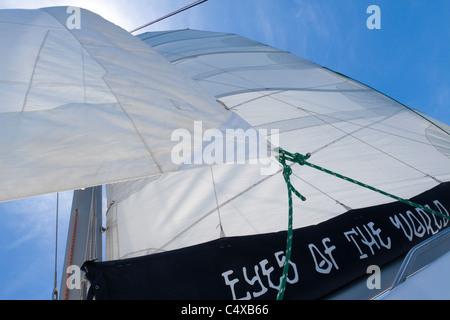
<point>323,192</point>
<point>301,160</point>
<point>34,71</point>
<point>160,34</point>
<point>220,206</point>
<point>115,95</point>
<point>314,114</point>
<point>84,74</point>
<point>194,56</point>
<point>178,40</point>
<point>403,105</point>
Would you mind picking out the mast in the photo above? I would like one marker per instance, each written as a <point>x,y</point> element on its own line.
<point>84,241</point>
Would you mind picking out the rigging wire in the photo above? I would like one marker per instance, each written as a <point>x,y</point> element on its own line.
<point>222,232</point>
<point>90,252</point>
<point>196,3</point>
<point>71,251</point>
<point>55,289</point>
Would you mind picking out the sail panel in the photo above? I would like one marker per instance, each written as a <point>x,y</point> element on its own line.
<point>200,43</point>
<point>88,106</point>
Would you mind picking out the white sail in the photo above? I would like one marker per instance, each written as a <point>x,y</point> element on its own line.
<point>90,104</point>
<point>84,106</point>
<point>347,127</point>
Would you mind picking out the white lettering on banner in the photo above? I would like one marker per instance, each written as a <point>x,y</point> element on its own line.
<point>367,238</point>
<point>261,283</point>
<point>370,239</point>
<point>256,278</point>
<point>327,261</point>
<point>420,224</point>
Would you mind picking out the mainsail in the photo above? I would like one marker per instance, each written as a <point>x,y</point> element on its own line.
<point>97,105</point>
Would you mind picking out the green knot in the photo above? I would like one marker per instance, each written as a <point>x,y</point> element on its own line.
<point>296,158</point>
<point>300,159</point>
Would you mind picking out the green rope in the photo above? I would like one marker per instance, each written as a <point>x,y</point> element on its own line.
<point>301,160</point>
<point>287,171</point>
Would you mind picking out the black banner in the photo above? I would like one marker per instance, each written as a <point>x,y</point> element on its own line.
<point>324,257</point>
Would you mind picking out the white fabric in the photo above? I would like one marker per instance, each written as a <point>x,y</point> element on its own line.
<point>84,107</point>
<point>347,127</point>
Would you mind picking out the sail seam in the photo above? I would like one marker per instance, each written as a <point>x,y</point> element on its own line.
<point>115,95</point>
<point>281,90</point>
<point>134,126</point>
<point>84,74</point>
<point>158,35</point>
<point>220,206</point>
<point>322,192</point>
<point>179,60</point>
<point>403,105</point>
<point>187,39</point>
<point>262,89</point>
<point>34,70</point>
<point>313,114</point>
<point>361,140</point>
<point>350,134</point>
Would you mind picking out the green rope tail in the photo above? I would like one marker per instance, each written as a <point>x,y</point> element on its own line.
<point>287,171</point>
<point>301,160</point>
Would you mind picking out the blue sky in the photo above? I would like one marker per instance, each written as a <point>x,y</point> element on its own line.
<point>407,59</point>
